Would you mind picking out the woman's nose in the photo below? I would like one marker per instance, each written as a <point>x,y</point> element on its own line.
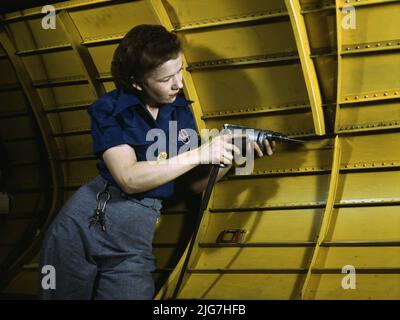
<point>178,83</point>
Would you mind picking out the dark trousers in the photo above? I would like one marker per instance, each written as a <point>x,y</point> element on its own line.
<point>93,264</point>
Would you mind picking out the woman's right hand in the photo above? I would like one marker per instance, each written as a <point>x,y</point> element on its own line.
<point>219,150</point>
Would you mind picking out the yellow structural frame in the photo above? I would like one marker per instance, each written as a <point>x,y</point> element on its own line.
<point>327,214</point>
<point>307,65</point>
<point>76,40</point>
<point>45,129</point>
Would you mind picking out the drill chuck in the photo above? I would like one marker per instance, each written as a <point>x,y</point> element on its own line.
<point>257,135</point>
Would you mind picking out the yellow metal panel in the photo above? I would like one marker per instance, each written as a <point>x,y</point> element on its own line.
<point>369,223</point>
<point>30,35</point>
<point>25,283</point>
<point>368,149</point>
<point>77,173</point>
<point>267,226</point>
<point>238,41</point>
<point>376,287</point>
<point>374,23</point>
<point>7,75</point>
<point>102,57</point>
<point>17,127</point>
<point>369,187</point>
<point>185,11</point>
<point>361,257</point>
<point>326,68</point>
<point>76,145</point>
<point>27,176</point>
<point>18,150</point>
<point>107,20</point>
<point>290,158</point>
<point>298,124</point>
<point>321,29</point>
<point>66,95</point>
<point>109,86</point>
<point>70,121</point>
<point>85,60</point>
<point>254,258</point>
<point>165,257</point>
<point>16,101</point>
<point>165,224</point>
<point>11,230</point>
<point>246,87</point>
<point>242,286</point>
<point>365,75</point>
<point>370,116</point>
<point>271,192</point>
<point>23,202</point>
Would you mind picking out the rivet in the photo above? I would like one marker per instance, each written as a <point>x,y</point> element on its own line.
<point>385,94</point>
<point>375,95</point>
<point>347,1</point>
<point>367,46</point>
<point>358,47</point>
<point>356,97</point>
<point>378,44</point>
<point>389,43</point>
<point>396,93</point>
<point>346,98</point>
<point>366,96</point>
<point>347,48</point>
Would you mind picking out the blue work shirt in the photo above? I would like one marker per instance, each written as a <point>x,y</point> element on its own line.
<point>119,118</point>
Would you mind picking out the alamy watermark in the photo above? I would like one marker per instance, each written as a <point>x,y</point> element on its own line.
<point>49,279</point>
<point>188,140</point>
<point>49,20</point>
<point>349,19</point>
<point>349,280</point>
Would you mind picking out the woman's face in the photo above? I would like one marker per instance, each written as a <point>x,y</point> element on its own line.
<point>163,83</point>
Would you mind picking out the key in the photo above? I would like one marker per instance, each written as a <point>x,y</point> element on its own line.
<point>99,219</point>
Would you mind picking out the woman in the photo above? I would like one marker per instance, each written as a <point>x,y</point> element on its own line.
<point>100,243</point>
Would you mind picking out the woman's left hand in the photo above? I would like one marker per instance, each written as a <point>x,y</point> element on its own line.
<point>269,147</point>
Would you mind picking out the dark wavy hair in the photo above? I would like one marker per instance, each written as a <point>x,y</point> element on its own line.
<point>143,48</point>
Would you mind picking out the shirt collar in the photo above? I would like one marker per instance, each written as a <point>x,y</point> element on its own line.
<point>125,100</point>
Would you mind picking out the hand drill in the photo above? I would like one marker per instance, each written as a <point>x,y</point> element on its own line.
<point>258,135</point>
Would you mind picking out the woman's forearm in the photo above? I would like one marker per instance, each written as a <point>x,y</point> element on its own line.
<point>147,175</point>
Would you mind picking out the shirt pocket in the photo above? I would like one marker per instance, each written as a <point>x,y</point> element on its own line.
<point>136,137</point>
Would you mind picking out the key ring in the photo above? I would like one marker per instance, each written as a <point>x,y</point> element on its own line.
<point>99,195</point>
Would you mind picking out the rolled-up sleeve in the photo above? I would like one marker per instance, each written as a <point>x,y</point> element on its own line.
<point>106,131</point>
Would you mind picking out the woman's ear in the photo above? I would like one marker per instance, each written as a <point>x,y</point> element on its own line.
<point>136,85</point>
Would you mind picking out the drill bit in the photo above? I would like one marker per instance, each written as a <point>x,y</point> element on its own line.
<point>298,141</point>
